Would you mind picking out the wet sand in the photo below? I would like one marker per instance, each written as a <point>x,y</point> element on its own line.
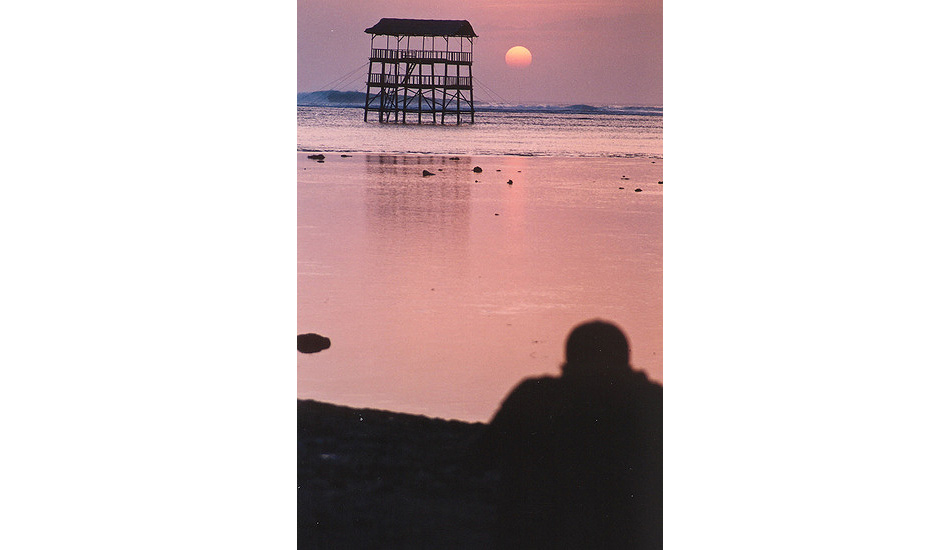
<point>441,292</point>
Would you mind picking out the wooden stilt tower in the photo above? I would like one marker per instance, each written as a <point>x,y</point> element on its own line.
<point>422,71</point>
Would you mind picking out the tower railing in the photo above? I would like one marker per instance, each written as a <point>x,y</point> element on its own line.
<point>419,81</point>
<point>417,56</point>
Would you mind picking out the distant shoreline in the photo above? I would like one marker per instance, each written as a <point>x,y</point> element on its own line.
<point>545,130</point>
<point>578,108</point>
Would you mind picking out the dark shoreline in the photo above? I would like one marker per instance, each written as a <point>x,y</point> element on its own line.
<point>368,478</point>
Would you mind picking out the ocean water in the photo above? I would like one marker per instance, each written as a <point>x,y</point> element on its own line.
<point>440,293</point>
<point>574,131</point>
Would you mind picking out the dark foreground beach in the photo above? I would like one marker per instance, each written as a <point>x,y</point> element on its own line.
<point>376,479</point>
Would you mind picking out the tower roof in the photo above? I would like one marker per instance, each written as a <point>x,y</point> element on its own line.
<point>422,27</point>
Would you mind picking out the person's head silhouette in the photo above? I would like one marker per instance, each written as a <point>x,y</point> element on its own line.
<point>596,349</point>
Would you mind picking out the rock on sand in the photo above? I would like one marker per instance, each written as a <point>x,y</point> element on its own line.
<point>312,343</point>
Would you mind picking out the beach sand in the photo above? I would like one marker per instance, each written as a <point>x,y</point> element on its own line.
<point>439,293</point>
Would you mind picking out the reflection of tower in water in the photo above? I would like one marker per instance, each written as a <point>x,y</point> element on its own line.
<point>421,219</point>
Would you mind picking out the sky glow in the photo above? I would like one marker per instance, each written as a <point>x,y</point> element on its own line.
<point>583,52</point>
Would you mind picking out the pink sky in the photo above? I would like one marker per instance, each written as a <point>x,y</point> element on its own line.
<point>597,52</point>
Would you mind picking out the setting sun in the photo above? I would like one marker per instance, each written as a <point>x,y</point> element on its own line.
<point>518,56</point>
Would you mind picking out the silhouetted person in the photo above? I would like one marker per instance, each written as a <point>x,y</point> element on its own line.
<point>581,455</point>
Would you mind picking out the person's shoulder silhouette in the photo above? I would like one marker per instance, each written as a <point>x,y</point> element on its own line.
<point>580,455</point>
